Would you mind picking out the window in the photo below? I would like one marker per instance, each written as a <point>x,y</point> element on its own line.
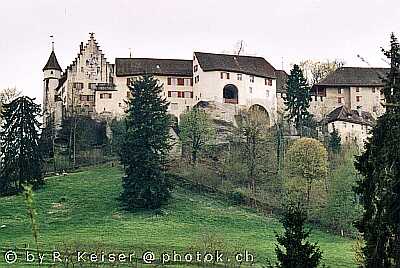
<point>195,68</point>
<point>252,78</point>
<point>197,79</point>
<point>119,104</point>
<point>92,86</point>
<point>227,75</point>
<point>105,96</point>
<point>174,106</point>
<point>339,99</point>
<point>266,81</point>
<point>357,89</point>
<point>250,90</point>
<point>358,98</point>
<point>188,94</point>
<point>188,82</point>
<point>181,82</point>
<point>180,94</point>
<point>267,93</point>
<point>373,90</point>
<point>169,82</point>
<point>239,77</point>
<point>269,82</point>
<point>78,86</point>
<point>339,91</point>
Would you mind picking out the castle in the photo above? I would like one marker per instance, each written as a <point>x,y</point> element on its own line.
<point>93,86</point>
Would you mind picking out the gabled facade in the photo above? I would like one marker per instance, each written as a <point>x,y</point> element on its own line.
<point>80,88</point>
<point>243,81</point>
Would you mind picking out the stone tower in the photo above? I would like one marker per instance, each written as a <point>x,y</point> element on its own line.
<point>52,74</point>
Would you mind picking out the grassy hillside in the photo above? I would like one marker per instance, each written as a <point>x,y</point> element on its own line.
<point>81,211</point>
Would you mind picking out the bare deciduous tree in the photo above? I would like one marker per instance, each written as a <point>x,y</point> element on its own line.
<point>315,71</point>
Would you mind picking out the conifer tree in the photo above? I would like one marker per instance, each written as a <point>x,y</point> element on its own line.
<point>22,159</point>
<point>297,252</point>
<point>335,142</point>
<point>146,146</point>
<point>379,189</point>
<point>297,99</point>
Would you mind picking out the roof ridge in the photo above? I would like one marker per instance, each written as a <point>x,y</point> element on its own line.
<point>231,54</point>
<point>124,58</point>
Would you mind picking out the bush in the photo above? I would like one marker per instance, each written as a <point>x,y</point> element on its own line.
<point>238,197</point>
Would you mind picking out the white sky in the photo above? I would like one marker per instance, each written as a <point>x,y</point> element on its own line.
<point>293,30</point>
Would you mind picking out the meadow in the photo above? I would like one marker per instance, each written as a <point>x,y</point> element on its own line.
<point>80,211</point>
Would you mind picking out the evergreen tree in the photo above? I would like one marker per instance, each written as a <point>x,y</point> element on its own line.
<point>146,146</point>
<point>297,252</point>
<point>335,142</point>
<point>379,189</point>
<point>297,100</point>
<point>22,159</point>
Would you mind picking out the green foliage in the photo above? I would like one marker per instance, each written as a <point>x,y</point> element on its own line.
<point>196,130</point>
<point>118,129</point>
<point>306,163</point>
<point>146,147</point>
<point>335,142</point>
<point>342,208</point>
<point>88,132</point>
<point>297,100</point>
<point>30,204</point>
<point>238,197</point>
<point>379,189</point>
<point>22,159</point>
<point>297,252</point>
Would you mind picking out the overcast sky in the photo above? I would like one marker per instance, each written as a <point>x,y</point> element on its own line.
<point>289,30</point>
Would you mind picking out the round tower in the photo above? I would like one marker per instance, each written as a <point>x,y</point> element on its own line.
<point>52,73</point>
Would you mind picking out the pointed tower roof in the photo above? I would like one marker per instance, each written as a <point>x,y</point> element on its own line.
<point>52,63</point>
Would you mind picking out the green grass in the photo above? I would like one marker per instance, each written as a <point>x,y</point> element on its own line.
<point>81,210</point>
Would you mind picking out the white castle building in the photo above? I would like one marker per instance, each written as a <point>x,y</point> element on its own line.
<point>93,86</point>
